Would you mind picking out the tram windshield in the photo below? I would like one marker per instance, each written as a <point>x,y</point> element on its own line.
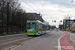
<point>30,25</point>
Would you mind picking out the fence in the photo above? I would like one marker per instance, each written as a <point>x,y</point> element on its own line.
<point>10,29</point>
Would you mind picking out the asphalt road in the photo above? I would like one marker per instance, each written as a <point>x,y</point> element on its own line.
<point>48,41</point>
<point>12,40</point>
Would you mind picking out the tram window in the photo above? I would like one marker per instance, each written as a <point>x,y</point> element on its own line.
<point>44,27</point>
<point>40,25</point>
<point>31,26</point>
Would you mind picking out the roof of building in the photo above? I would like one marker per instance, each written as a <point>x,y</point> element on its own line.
<point>35,15</point>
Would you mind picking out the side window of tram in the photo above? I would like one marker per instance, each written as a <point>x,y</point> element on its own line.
<point>28,25</point>
<point>33,26</point>
<point>40,26</point>
<point>43,27</point>
<point>37,26</point>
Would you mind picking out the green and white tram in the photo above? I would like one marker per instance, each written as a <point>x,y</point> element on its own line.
<point>36,28</point>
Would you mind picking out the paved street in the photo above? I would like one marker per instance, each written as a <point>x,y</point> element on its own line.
<point>52,40</point>
<point>12,40</point>
<point>37,25</point>
<point>48,41</point>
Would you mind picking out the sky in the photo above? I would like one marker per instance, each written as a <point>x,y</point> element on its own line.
<point>50,9</point>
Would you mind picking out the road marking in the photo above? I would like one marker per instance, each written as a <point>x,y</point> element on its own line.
<point>14,41</point>
<point>59,45</point>
<point>10,47</point>
<point>15,47</point>
<point>26,42</point>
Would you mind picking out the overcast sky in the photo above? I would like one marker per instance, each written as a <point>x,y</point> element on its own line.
<point>50,9</point>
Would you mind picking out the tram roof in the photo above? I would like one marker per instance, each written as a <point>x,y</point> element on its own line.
<point>37,21</point>
<point>31,21</point>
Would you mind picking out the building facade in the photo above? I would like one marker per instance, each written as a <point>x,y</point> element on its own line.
<point>73,26</point>
<point>34,16</point>
<point>61,27</point>
<point>67,24</point>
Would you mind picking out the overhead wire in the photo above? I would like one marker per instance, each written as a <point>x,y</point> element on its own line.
<point>35,5</point>
<point>29,5</point>
<point>26,8</point>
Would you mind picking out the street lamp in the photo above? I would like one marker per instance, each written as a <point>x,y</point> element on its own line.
<point>69,23</point>
<point>72,1</point>
<point>12,13</point>
<point>7,16</point>
<point>0,10</point>
<point>21,18</point>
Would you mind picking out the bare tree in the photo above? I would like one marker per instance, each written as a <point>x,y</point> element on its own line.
<point>13,7</point>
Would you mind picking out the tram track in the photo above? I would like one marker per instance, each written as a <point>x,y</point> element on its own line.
<point>11,36</point>
<point>13,41</point>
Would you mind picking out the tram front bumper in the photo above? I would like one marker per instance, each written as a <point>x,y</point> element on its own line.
<point>33,32</point>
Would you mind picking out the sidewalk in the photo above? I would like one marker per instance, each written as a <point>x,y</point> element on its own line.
<point>12,35</point>
<point>72,37</point>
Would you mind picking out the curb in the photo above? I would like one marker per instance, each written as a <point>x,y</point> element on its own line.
<point>71,39</point>
<point>13,35</point>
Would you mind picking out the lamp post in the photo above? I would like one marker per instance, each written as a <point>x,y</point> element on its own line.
<point>69,23</point>
<point>0,12</point>
<point>21,17</point>
<point>7,16</point>
<point>12,15</point>
<point>21,22</point>
<point>72,1</point>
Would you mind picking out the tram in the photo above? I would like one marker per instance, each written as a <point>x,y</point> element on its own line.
<point>36,28</point>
